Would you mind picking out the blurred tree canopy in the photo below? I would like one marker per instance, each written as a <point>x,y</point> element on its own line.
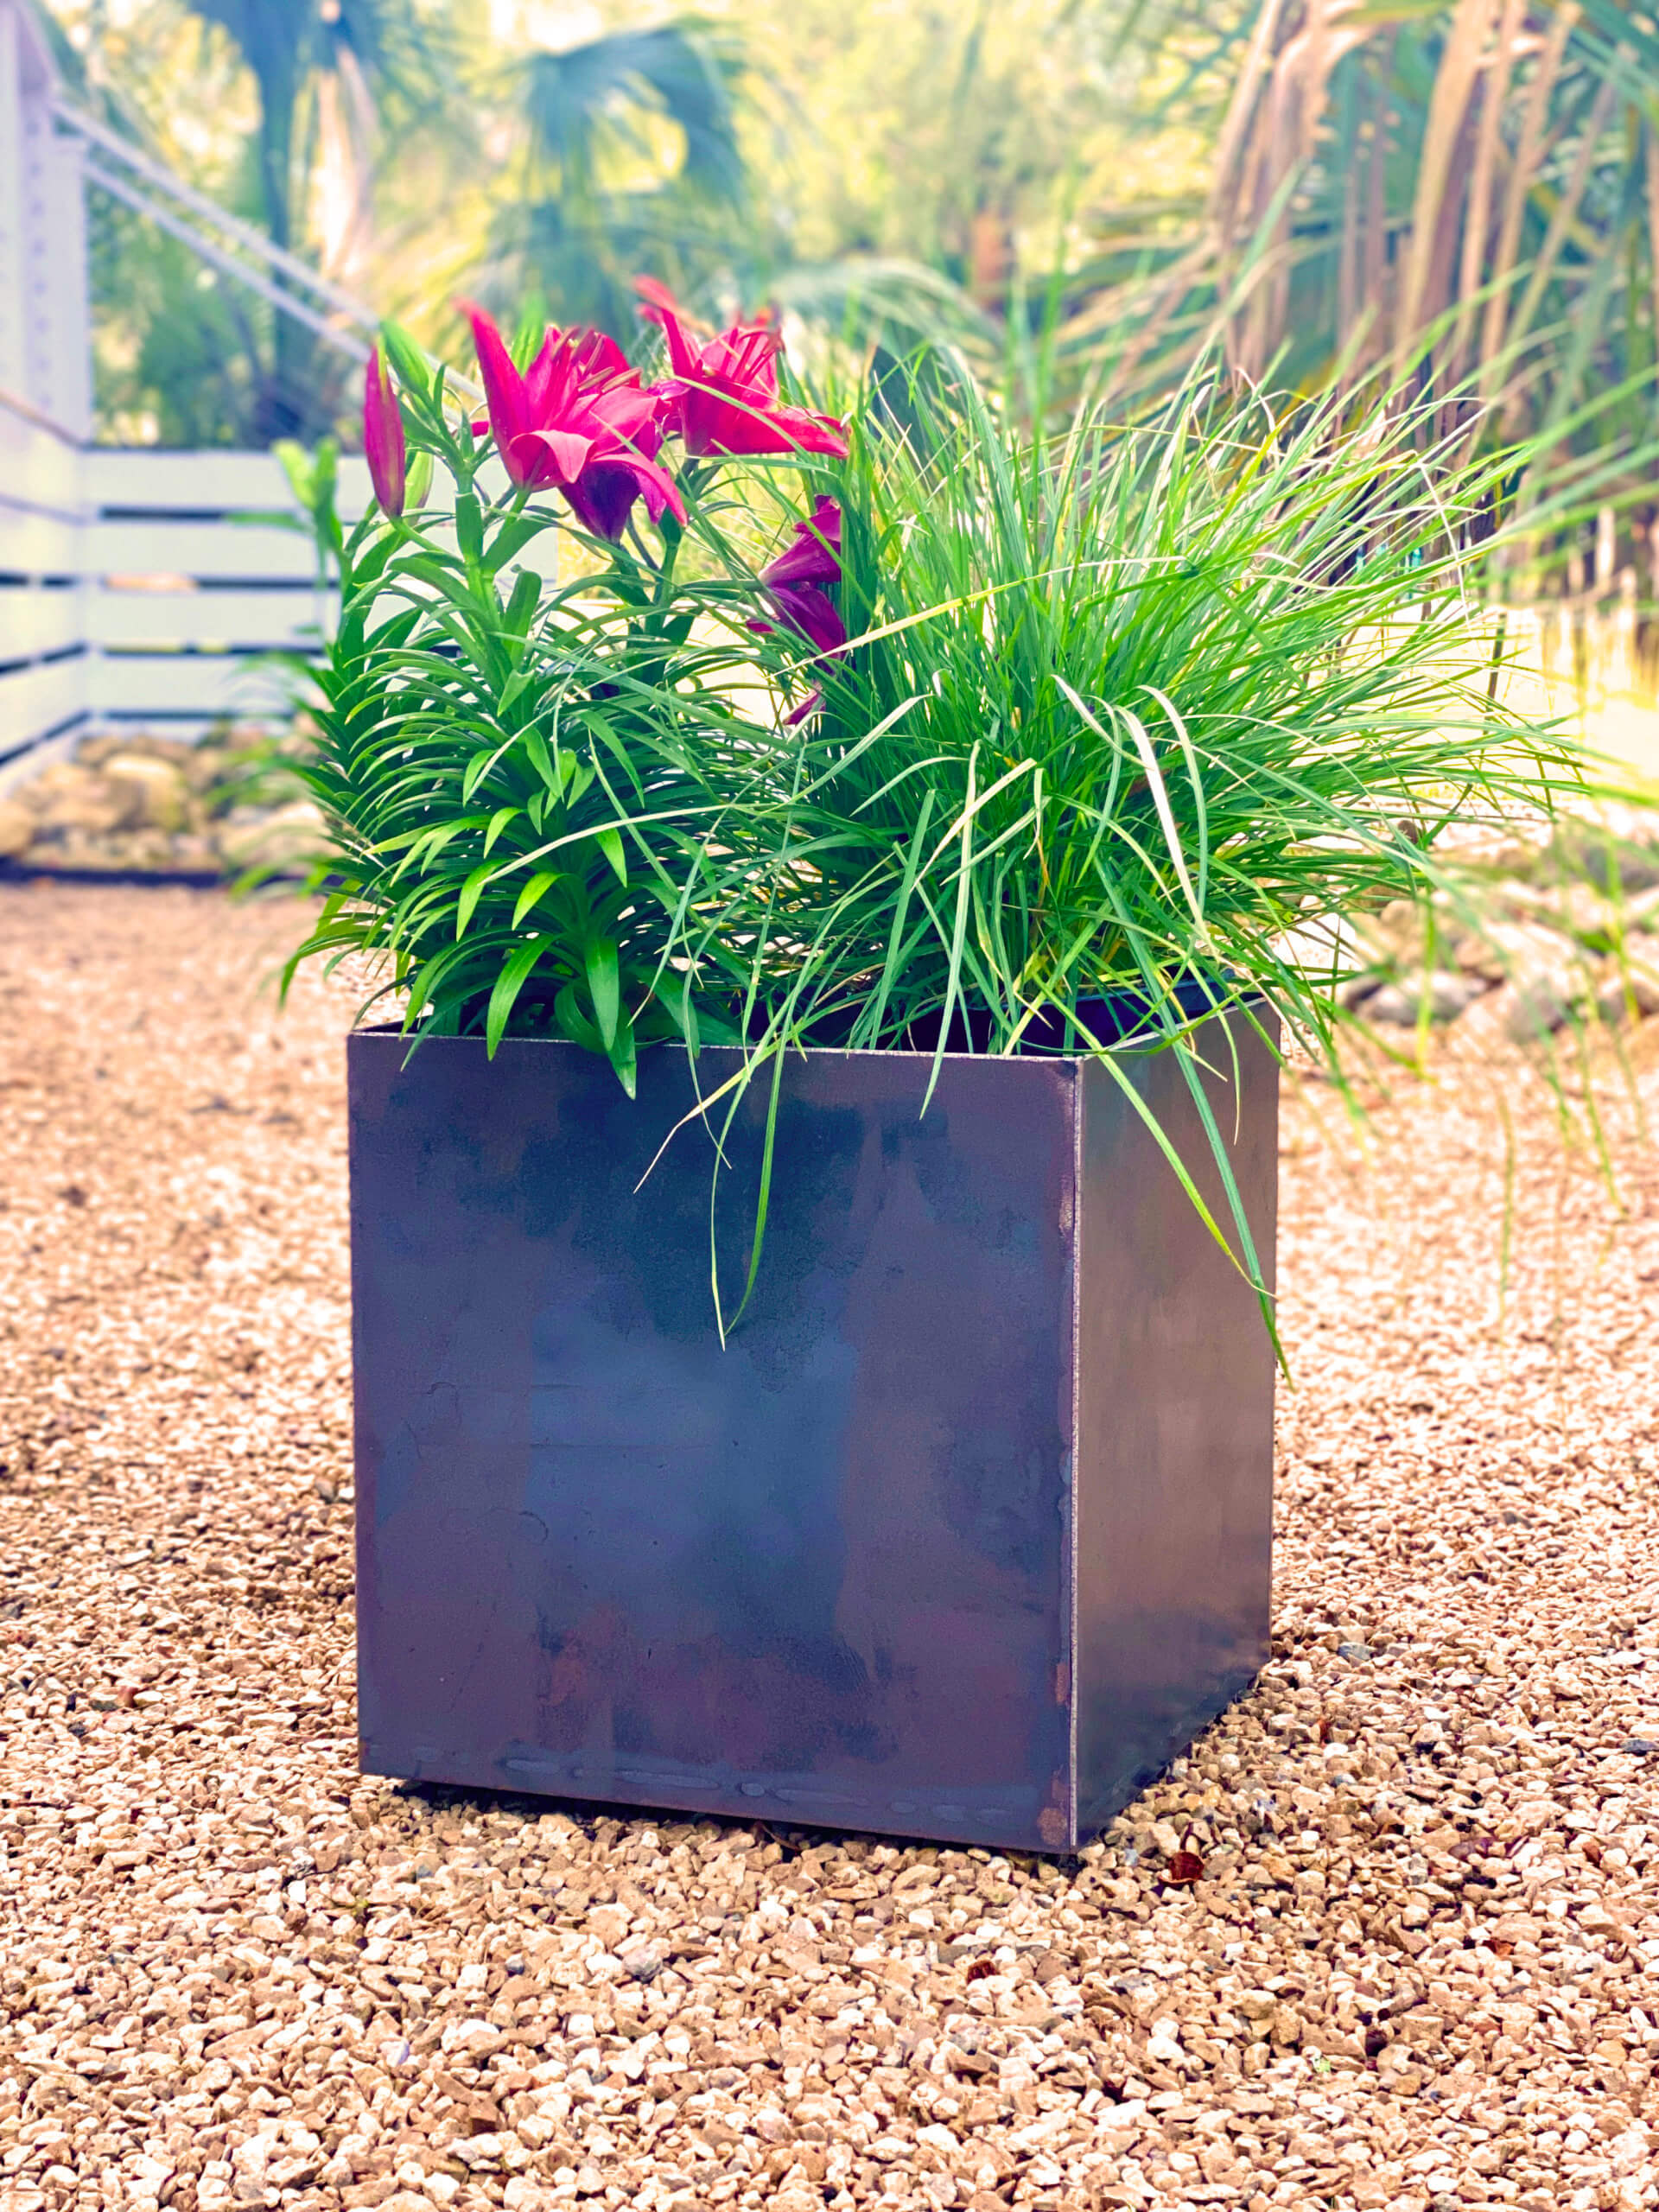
<point>283,111</point>
<point>625,160</point>
<point>1468,189</point>
<point>905,165</point>
<point>1464,191</point>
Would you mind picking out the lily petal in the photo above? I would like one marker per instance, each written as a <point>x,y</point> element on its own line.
<point>663,308</point>
<point>566,451</point>
<point>813,555</point>
<point>504,393</point>
<point>813,613</point>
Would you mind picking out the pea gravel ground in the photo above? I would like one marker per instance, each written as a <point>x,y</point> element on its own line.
<point>1421,1966</point>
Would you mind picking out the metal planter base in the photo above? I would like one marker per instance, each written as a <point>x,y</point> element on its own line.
<point>964,1535</point>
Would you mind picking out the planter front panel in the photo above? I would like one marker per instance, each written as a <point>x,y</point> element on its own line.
<point>821,1575</point>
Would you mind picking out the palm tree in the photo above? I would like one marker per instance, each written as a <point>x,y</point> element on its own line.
<point>1448,185</point>
<point>1464,187</point>
<point>628,164</point>
<point>631,163</point>
<point>360,65</point>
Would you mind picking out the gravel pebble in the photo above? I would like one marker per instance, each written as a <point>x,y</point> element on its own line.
<point>1420,1966</point>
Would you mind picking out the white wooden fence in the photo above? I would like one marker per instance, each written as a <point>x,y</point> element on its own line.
<point>135,587</point>
<point>150,588</point>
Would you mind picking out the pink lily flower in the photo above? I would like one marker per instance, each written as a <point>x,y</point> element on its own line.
<point>723,397</point>
<point>383,444</point>
<point>576,421</point>
<point>797,577</point>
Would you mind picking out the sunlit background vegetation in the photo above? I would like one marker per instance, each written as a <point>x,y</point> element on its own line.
<point>936,159</point>
<point>1463,188</point>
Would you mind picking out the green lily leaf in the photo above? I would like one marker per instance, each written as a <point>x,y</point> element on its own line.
<point>574,1024</point>
<point>604,984</point>
<point>508,984</point>
<point>532,891</point>
<point>526,595</point>
<point>610,843</point>
<point>621,1055</point>
<point>499,821</point>
<point>471,892</point>
<point>406,357</point>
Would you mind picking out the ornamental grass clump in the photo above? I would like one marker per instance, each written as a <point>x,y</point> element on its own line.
<point>913,730</point>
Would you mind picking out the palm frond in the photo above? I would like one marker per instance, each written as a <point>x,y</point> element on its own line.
<point>1456,188</point>
<point>607,92</point>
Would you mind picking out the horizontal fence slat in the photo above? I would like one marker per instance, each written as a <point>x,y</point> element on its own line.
<point>37,544</point>
<point>169,655</point>
<point>214,620</point>
<point>244,552</point>
<point>34,622</point>
<point>204,551</point>
<point>34,700</point>
<point>134,686</point>
<point>207,482</point>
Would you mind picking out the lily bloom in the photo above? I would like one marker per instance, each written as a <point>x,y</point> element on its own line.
<point>797,580</point>
<point>723,397</point>
<point>383,445</point>
<point>576,421</point>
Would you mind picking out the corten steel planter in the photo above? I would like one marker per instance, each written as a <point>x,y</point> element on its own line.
<point>964,1535</point>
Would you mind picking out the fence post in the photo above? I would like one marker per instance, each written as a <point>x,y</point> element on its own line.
<point>12,361</point>
<point>45,348</point>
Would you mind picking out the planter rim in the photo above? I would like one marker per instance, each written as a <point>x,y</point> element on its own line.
<point>1142,1042</point>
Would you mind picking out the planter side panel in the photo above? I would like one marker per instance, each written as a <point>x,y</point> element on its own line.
<point>1175,1421</point>
<point>816,1576</point>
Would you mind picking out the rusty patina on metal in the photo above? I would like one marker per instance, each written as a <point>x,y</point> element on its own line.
<point>963,1534</point>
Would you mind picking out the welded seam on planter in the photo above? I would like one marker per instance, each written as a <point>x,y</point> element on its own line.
<point>1073,1780</point>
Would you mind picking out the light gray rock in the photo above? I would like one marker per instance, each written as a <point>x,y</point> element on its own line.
<point>1449,995</point>
<point>1392,1004</point>
<point>1402,1004</point>
<point>1538,1008</point>
<point>149,794</point>
<point>17,829</point>
<point>1517,952</point>
<point>1354,992</point>
<point>67,798</point>
<point>287,838</point>
<point>1632,990</point>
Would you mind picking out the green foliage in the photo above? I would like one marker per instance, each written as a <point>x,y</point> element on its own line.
<point>289,46</point>
<point>963,139</point>
<point>631,164</point>
<point>313,478</point>
<point>1127,709</point>
<point>514,769</point>
<point>1124,710</point>
<point>286,92</point>
<point>1443,185</point>
<point>1468,189</point>
<point>178,359</point>
<point>602,99</point>
<point>1124,707</point>
<point>889,180</point>
<point>288,43</point>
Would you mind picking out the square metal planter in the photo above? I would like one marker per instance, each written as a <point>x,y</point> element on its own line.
<point>964,1535</point>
